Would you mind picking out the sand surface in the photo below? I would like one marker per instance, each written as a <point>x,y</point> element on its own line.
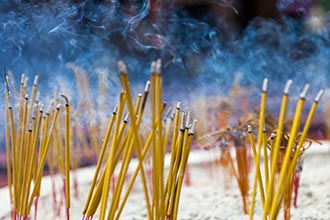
<point>207,197</point>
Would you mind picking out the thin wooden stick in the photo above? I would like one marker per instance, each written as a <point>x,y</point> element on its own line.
<point>257,153</point>
<point>67,156</point>
<point>183,165</point>
<point>124,80</point>
<point>298,151</point>
<point>140,164</point>
<point>269,192</point>
<point>124,165</point>
<point>262,126</point>
<point>109,163</point>
<point>8,143</point>
<point>43,158</point>
<point>22,150</point>
<point>288,150</point>
<point>100,159</point>
<point>255,179</point>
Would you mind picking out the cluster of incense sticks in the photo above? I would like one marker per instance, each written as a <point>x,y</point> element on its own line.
<point>125,138</point>
<point>30,133</point>
<point>276,185</point>
<point>236,137</point>
<point>227,137</point>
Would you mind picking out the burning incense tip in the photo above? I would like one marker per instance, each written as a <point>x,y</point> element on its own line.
<point>6,79</point>
<point>304,92</point>
<point>264,85</point>
<point>319,95</point>
<point>41,109</point>
<point>188,118</point>
<point>58,106</point>
<point>158,66</point>
<point>272,136</point>
<point>115,110</point>
<point>182,122</point>
<point>193,126</point>
<point>287,86</point>
<point>38,97</point>
<point>49,106</point>
<point>147,87</point>
<point>126,117</point>
<point>178,105</point>
<point>122,67</point>
<point>26,97</point>
<point>66,99</point>
<point>22,78</point>
<point>26,79</point>
<point>249,128</point>
<point>140,94</point>
<point>30,127</point>
<point>35,81</point>
<point>153,67</point>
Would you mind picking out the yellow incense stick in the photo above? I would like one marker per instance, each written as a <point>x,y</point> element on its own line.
<point>304,133</point>
<point>137,170</point>
<point>173,150</point>
<point>67,154</point>
<point>269,192</point>
<point>257,153</point>
<point>8,154</point>
<point>43,158</point>
<point>179,147</point>
<point>256,156</point>
<point>266,162</point>
<point>159,142</point>
<point>100,159</point>
<point>109,163</point>
<point>288,150</point>
<point>124,165</point>
<point>22,150</point>
<point>125,84</point>
<point>27,175</point>
<point>262,125</point>
<point>183,165</point>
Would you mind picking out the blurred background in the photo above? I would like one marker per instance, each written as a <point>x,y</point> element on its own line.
<point>204,45</point>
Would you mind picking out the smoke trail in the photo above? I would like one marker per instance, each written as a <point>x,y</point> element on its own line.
<point>43,37</point>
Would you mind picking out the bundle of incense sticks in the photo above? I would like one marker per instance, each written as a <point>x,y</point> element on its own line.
<point>29,135</point>
<point>124,137</point>
<point>285,149</point>
<point>234,136</point>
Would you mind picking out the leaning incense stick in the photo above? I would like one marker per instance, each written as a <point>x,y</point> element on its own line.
<point>127,155</point>
<point>288,150</point>
<point>257,153</point>
<point>124,80</point>
<point>43,158</point>
<point>269,188</point>
<point>109,164</point>
<point>8,153</point>
<point>255,179</point>
<point>67,156</point>
<point>183,165</point>
<point>298,151</point>
<point>262,126</point>
<point>100,159</point>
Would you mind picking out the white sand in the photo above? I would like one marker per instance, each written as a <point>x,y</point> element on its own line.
<point>207,197</point>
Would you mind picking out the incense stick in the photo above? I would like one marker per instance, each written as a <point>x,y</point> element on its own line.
<point>288,150</point>
<point>67,155</point>
<point>269,188</point>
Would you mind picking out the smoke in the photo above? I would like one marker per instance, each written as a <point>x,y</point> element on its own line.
<point>41,38</point>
